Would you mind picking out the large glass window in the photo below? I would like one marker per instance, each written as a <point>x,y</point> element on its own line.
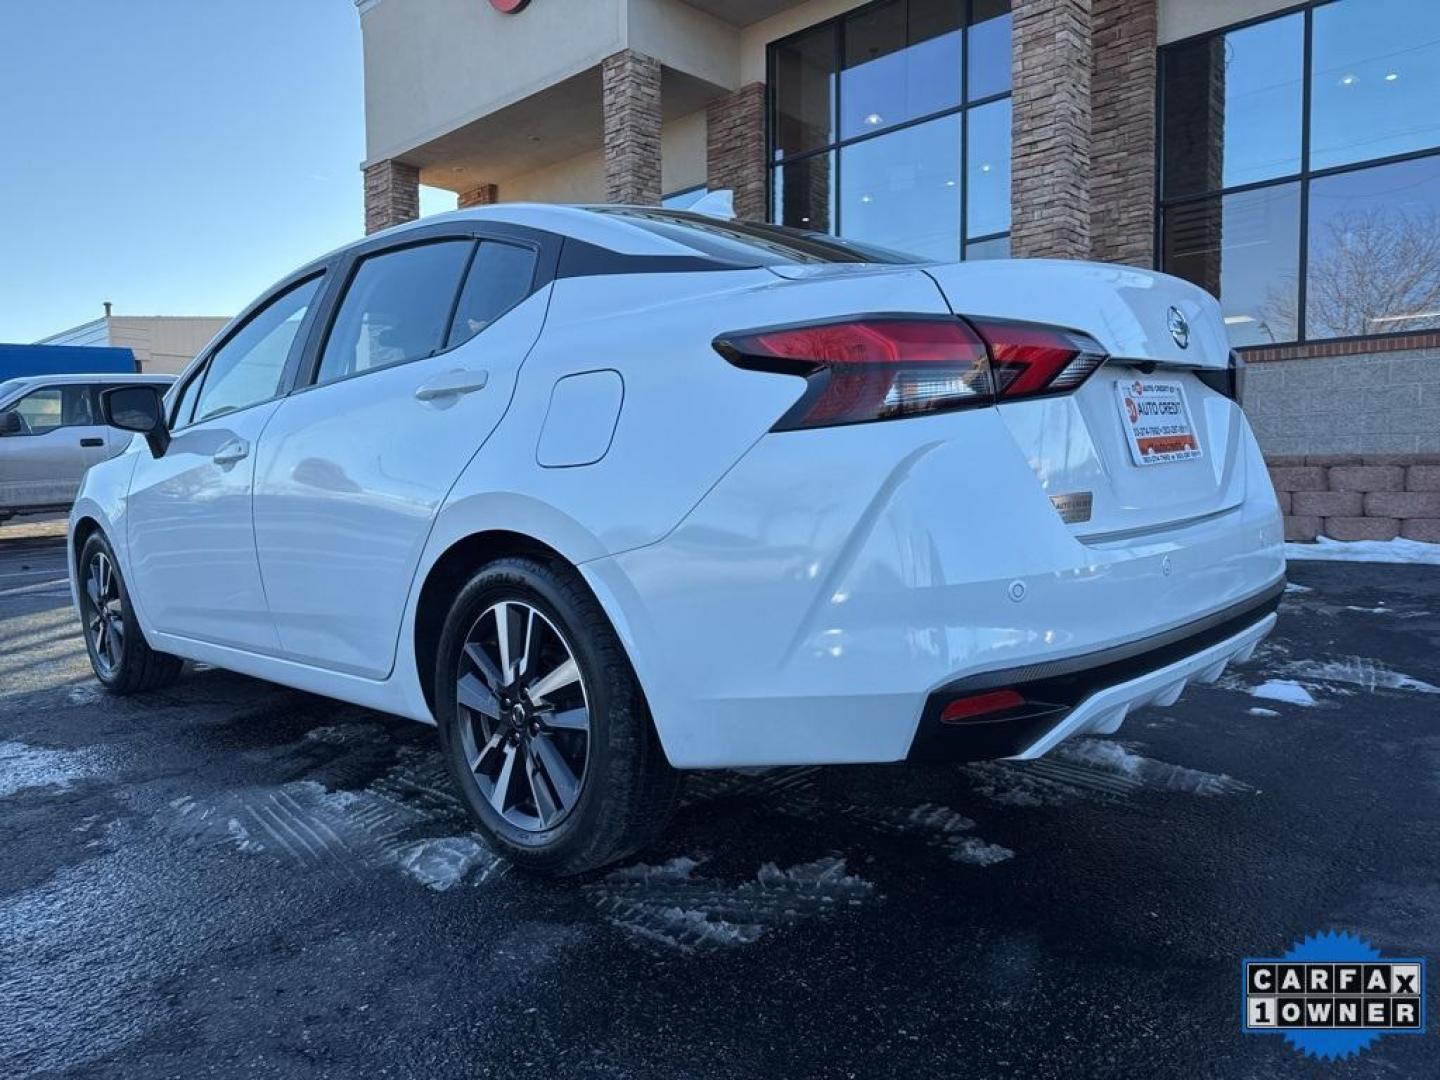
<point>1374,255</point>
<point>1300,170</point>
<point>890,125</point>
<point>1374,80</point>
<point>1245,248</point>
<point>900,191</point>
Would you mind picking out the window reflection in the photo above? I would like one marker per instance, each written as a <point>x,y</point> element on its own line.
<point>902,191</point>
<point>998,248</point>
<point>1374,80</point>
<point>804,193</point>
<point>1233,107</point>
<point>885,82</point>
<point>1374,259</point>
<point>989,48</point>
<point>804,76</point>
<point>987,175</point>
<point>1245,249</point>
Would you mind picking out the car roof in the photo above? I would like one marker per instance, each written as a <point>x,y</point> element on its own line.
<point>580,222</point>
<point>99,376</point>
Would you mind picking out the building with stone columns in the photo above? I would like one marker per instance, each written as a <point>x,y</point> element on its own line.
<point>1286,156</point>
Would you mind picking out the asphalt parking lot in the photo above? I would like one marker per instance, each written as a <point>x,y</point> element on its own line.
<point>230,878</point>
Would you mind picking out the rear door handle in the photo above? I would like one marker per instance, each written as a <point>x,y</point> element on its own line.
<point>233,451</point>
<point>92,442</point>
<point>452,384</point>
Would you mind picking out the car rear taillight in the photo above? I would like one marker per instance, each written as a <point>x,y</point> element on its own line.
<point>1028,360</point>
<point>889,366</point>
<point>869,369</point>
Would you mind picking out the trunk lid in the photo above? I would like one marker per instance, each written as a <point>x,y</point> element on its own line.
<point>1079,444</point>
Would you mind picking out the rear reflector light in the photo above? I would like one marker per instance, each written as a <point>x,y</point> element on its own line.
<point>870,369</point>
<point>888,366</point>
<point>979,706</point>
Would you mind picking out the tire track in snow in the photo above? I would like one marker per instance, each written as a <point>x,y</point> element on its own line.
<point>403,819</point>
<point>668,906</point>
<point>1092,769</point>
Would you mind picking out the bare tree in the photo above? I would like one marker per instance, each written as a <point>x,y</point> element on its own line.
<point>1371,272</point>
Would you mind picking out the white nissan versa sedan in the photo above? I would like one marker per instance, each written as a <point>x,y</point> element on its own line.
<point>612,493</point>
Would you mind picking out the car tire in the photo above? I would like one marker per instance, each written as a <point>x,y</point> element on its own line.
<point>119,654</point>
<point>570,799</point>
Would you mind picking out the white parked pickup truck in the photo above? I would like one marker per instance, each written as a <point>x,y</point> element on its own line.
<point>51,432</point>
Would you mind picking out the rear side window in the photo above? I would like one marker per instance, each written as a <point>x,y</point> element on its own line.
<point>248,368</point>
<point>501,275</point>
<point>397,309</point>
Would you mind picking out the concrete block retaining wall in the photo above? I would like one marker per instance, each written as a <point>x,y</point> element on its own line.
<point>1359,497</point>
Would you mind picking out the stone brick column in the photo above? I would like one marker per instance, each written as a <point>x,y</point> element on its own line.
<point>630,84</point>
<point>735,149</point>
<point>392,194</point>
<point>483,195</point>
<point>1050,130</point>
<point>1122,131</point>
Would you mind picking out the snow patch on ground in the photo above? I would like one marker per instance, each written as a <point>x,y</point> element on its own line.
<point>1102,753</point>
<point>444,862</point>
<point>976,852</point>
<point>1286,690</point>
<point>23,766</point>
<point>671,907</point>
<point>1384,551</point>
<point>1291,587</point>
<point>1257,711</point>
<point>1361,671</point>
<point>84,694</point>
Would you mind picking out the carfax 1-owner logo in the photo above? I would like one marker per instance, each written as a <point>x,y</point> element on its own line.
<point>1332,995</point>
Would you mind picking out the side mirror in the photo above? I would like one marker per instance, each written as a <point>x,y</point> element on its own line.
<point>140,409</point>
<point>11,424</point>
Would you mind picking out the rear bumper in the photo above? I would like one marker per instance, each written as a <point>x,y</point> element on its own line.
<point>815,599</point>
<point>1091,694</point>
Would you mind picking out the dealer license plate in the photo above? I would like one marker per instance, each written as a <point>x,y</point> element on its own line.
<point>1156,420</point>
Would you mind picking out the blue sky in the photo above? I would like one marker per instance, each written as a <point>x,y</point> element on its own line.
<point>172,156</point>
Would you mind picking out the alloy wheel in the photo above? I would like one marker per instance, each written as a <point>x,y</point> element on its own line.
<point>524,716</point>
<point>105,616</point>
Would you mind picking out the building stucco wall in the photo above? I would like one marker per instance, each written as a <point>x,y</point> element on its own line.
<point>1180,19</point>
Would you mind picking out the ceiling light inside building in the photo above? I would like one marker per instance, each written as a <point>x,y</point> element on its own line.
<point>1347,80</point>
<point>867,198</point>
<point>1391,77</point>
<point>985,167</point>
<point>874,119</point>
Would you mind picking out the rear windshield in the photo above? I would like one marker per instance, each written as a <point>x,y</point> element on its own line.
<point>751,243</point>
